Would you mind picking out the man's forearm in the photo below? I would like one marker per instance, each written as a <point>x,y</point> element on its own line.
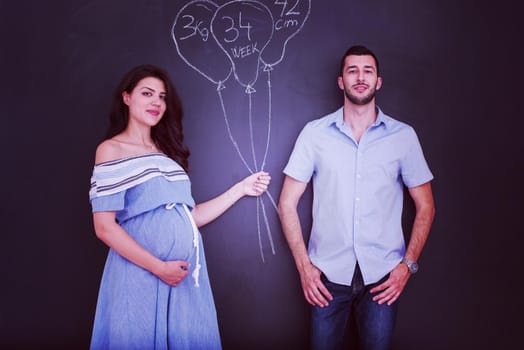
<point>420,232</point>
<point>293,232</point>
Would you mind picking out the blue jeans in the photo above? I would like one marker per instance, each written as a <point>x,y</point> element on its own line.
<point>374,323</point>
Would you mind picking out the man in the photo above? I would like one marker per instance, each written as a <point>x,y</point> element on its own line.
<point>360,159</point>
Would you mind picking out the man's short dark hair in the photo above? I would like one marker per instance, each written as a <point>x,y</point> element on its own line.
<point>359,50</point>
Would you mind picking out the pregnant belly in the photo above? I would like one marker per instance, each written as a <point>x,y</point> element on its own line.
<point>167,234</point>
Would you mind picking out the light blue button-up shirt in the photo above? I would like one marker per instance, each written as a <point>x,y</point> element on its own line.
<point>357,193</point>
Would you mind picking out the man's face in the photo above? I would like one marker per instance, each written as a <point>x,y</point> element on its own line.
<point>359,79</point>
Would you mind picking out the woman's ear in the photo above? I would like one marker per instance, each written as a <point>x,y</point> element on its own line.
<point>125,97</point>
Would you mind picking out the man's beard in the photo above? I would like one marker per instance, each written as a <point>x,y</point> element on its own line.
<point>361,101</point>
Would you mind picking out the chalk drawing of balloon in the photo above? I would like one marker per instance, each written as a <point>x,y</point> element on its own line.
<point>241,38</point>
<point>243,29</point>
<point>195,43</point>
<point>289,18</point>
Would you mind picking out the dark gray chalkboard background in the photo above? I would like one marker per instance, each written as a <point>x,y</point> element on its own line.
<point>452,69</point>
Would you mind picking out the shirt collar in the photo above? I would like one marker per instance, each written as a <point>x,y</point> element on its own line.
<point>338,118</point>
<point>381,118</point>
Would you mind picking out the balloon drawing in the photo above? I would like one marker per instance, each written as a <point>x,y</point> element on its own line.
<point>243,39</point>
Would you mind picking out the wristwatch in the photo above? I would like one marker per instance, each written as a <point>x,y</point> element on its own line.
<point>412,266</point>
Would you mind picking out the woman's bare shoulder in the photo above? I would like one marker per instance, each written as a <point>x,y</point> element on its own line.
<point>115,149</point>
<point>109,150</point>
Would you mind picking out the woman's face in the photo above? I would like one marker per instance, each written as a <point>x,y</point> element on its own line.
<point>147,101</point>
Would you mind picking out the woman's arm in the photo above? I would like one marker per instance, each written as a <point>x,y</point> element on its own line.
<point>253,185</point>
<point>112,234</point>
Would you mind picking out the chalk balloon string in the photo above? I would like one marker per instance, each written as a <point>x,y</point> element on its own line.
<point>237,28</point>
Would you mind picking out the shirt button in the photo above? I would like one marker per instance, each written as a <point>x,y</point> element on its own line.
<point>358,176</point>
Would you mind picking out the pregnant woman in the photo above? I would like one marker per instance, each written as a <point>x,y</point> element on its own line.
<point>144,211</point>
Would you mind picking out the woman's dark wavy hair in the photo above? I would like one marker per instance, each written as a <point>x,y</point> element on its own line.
<point>168,133</point>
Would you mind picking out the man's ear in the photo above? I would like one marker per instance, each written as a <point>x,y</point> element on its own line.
<point>379,83</point>
<point>340,83</point>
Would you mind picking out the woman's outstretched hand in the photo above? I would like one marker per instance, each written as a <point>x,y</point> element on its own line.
<point>256,184</point>
<point>253,185</point>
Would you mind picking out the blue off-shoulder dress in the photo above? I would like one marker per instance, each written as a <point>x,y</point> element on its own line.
<point>151,195</point>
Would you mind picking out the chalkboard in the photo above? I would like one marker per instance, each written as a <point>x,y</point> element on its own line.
<point>246,98</point>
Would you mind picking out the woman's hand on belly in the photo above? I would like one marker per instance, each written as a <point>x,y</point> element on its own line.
<point>172,272</point>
